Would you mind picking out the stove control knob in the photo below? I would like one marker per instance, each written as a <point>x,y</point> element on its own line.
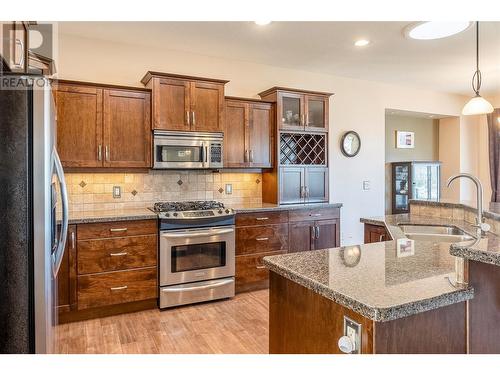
<point>175,214</point>
<point>167,215</point>
<point>220,211</point>
<point>227,210</point>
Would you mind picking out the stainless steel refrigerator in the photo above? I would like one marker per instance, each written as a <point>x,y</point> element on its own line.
<point>33,215</point>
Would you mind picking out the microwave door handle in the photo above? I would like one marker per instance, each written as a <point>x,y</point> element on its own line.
<point>206,153</point>
<point>61,244</point>
<point>203,154</point>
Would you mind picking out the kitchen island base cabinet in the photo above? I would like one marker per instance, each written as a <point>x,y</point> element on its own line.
<point>302,321</point>
<point>376,233</point>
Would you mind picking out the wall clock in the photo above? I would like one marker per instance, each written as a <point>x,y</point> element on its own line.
<point>350,144</point>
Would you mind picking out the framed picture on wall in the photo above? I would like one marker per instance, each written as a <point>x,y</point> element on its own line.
<point>405,139</point>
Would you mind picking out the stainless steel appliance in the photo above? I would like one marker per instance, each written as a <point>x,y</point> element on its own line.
<point>187,150</point>
<point>34,219</point>
<point>197,252</point>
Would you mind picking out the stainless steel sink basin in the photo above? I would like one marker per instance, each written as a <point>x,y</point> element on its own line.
<point>435,233</point>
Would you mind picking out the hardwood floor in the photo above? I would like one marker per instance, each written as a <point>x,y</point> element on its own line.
<point>238,325</point>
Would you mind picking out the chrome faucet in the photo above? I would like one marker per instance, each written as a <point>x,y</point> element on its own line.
<point>482,227</point>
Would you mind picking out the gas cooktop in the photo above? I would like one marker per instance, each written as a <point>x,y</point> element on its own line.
<point>209,211</point>
<point>187,206</point>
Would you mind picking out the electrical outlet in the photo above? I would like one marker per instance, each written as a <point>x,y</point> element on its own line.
<point>366,185</point>
<point>117,192</point>
<point>353,331</point>
<point>229,189</point>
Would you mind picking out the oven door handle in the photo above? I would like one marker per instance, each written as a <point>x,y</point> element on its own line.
<point>198,234</point>
<point>200,287</point>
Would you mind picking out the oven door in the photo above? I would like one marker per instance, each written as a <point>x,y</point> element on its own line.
<point>180,153</point>
<point>190,255</point>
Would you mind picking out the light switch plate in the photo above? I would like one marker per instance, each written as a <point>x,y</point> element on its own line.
<point>366,185</point>
<point>229,189</point>
<point>117,191</point>
<point>353,331</point>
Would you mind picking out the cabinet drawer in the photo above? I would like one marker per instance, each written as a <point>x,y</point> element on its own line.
<point>117,229</point>
<point>116,287</point>
<point>261,239</point>
<point>251,273</point>
<point>115,254</point>
<point>314,214</point>
<point>262,218</point>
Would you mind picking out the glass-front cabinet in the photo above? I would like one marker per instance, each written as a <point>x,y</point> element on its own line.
<point>316,112</point>
<point>414,180</point>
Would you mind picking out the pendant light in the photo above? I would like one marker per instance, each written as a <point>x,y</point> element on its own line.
<point>477,105</point>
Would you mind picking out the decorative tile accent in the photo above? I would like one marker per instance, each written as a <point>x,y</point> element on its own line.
<point>82,184</point>
<point>257,181</point>
<point>179,182</point>
<point>134,192</point>
<point>220,190</point>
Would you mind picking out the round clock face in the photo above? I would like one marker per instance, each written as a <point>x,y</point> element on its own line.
<point>350,144</point>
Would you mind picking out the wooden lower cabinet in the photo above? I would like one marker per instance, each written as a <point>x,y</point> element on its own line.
<point>112,288</point>
<point>108,268</point>
<point>260,234</point>
<point>376,233</point>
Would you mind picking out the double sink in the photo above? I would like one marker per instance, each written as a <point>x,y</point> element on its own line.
<point>435,233</point>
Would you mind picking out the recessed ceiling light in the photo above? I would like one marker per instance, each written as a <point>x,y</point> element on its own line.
<point>435,30</point>
<point>431,116</point>
<point>262,22</point>
<point>361,42</point>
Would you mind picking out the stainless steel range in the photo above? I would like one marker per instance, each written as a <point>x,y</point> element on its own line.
<point>197,252</point>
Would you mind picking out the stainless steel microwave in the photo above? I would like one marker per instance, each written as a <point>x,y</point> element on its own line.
<point>187,150</point>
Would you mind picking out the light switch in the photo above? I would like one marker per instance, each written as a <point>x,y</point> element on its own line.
<point>229,189</point>
<point>366,185</point>
<point>117,191</point>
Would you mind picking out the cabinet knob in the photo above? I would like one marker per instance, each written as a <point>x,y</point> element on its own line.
<point>346,345</point>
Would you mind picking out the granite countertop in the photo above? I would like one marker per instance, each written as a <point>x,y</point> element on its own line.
<point>382,281</point>
<point>486,249</point>
<point>98,216</point>
<point>284,207</point>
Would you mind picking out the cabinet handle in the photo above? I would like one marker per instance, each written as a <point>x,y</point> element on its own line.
<point>381,238</point>
<point>303,120</point>
<point>307,191</point>
<point>313,232</point>
<point>106,151</point>
<point>73,240</point>
<point>315,215</point>
<point>119,287</point>
<point>194,118</point>
<point>317,231</point>
<point>99,152</point>
<point>302,192</point>
<point>246,156</point>
<point>118,254</point>
<point>118,229</point>
<point>251,156</point>
<point>261,218</point>
<point>187,118</point>
<point>262,239</point>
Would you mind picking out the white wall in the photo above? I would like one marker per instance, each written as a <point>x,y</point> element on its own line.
<point>357,105</point>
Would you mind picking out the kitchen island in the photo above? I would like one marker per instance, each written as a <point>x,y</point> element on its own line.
<point>403,295</point>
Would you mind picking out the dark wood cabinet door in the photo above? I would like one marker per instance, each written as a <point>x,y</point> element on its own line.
<point>261,135</point>
<point>327,234</point>
<point>207,106</point>
<point>291,185</point>
<point>300,236</point>
<point>316,112</point>
<point>127,128</point>
<point>66,278</point>
<point>171,104</point>
<point>236,134</point>
<point>79,125</point>
<point>316,183</point>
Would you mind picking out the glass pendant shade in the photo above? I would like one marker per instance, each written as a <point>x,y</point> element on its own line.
<point>477,106</point>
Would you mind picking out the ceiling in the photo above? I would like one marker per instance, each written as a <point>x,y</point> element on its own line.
<point>443,65</point>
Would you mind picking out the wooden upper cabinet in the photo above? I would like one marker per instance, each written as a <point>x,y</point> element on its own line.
<point>103,126</point>
<point>299,110</point>
<point>171,106</point>
<point>186,103</point>
<point>127,130</point>
<point>79,125</point>
<point>248,133</point>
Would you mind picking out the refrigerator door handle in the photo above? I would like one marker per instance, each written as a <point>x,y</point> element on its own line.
<point>57,256</point>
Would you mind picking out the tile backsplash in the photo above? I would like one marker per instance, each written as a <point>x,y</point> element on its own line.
<point>94,191</point>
